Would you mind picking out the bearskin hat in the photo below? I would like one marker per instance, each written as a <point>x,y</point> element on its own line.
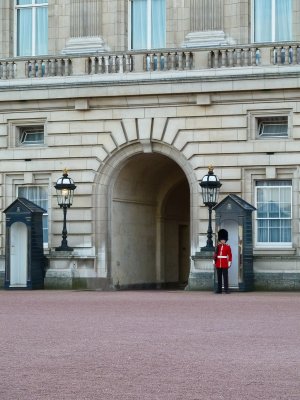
<point>222,235</point>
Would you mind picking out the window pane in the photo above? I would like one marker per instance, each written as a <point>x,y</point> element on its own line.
<point>41,39</point>
<point>283,23</point>
<point>24,35</point>
<point>158,23</point>
<point>139,24</point>
<point>262,21</point>
<point>274,212</point>
<point>39,196</point>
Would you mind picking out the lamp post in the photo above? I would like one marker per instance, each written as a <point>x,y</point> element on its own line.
<point>64,190</point>
<point>210,186</point>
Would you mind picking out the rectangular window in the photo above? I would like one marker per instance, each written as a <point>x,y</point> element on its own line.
<point>39,196</point>
<point>274,213</point>
<point>32,27</point>
<point>148,24</point>
<point>272,127</point>
<point>272,20</point>
<point>31,135</point>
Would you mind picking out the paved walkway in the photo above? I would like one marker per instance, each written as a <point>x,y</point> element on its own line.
<point>148,345</point>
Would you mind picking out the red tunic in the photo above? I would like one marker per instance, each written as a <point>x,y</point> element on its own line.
<point>223,256</point>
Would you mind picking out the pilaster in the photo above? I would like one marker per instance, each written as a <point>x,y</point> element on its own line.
<point>207,24</point>
<point>85,27</point>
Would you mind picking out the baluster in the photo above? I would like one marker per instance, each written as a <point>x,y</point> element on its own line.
<point>217,58</point>
<point>172,57</point>
<point>127,63</point>
<point>238,57</point>
<point>166,61</point>
<point>10,71</point>
<point>121,64</point>
<point>52,67</point>
<point>296,55</point>
<point>32,69</point>
<point>114,64</point>
<point>253,56</point>
<point>188,58</point>
<point>67,62</point>
<point>230,57</point>
<point>209,59</point>
<point>4,71</point>
<point>39,68</point>
<point>59,67</point>
<point>286,55</point>
<point>93,65</point>
<point>278,54</point>
<point>244,57</point>
<point>293,54</point>
<point>46,67</point>
<point>224,53</point>
<point>180,61</point>
<point>158,60</point>
<point>106,64</point>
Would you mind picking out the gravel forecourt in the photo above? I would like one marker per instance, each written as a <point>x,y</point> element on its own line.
<point>149,345</point>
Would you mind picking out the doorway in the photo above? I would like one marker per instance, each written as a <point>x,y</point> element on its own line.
<point>150,224</point>
<point>18,255</point>
<point>233,240</point>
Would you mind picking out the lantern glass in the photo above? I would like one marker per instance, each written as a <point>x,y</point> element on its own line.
<point>210,186</point>
<point>64,190</point>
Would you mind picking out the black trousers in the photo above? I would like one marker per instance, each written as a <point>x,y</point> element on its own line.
<point>222,272</point>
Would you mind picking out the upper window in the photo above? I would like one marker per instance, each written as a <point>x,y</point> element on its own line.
<point>39,196</point>
<point>32,27</point>
<point>148,24</point>
<point>274,213</point>
<point>272,127</point>
<point>272,20</point>
<point>31,135</point>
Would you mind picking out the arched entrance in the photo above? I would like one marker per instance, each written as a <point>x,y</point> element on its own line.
<point>150,223</point>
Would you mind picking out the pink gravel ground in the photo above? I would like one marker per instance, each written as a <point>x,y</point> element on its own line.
<point>152,345</point>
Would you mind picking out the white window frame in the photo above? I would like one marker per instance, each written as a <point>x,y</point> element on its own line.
<point>272,121</point>
<point>255,117</point>
<point>270,245</point>
<point>46,214</point>
<point>149,25</point>
<point>15,132</point>
<point>273,21</point>
<point>34,7</point>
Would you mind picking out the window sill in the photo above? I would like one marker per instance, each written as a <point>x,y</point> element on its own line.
<point>274,251</point>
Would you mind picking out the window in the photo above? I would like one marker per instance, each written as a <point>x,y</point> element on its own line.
<point>31,135</point>
<point>270,127</point>
<point>272,20</point>
<point>27,132</point>
<point>39,196</point>
<point>32,27</point>
<point>274,213</point>
<point>148,24</point>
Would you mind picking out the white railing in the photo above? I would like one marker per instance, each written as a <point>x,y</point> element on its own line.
<point>168,61</point>
<point>233,57</point>
<point>286,54</point>
<point>107,64</point>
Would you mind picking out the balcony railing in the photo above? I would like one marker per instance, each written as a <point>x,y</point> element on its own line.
<point>158,61</point>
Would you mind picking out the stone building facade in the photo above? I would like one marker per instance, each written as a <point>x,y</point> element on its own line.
<point>136,99</point>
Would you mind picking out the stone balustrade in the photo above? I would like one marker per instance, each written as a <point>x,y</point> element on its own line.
<point>151,61</point>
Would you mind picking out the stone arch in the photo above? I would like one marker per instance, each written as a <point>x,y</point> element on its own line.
<point>107,177</point>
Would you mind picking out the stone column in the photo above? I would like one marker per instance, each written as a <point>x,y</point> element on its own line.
<point>207,24</point>
<point>85,27</point>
